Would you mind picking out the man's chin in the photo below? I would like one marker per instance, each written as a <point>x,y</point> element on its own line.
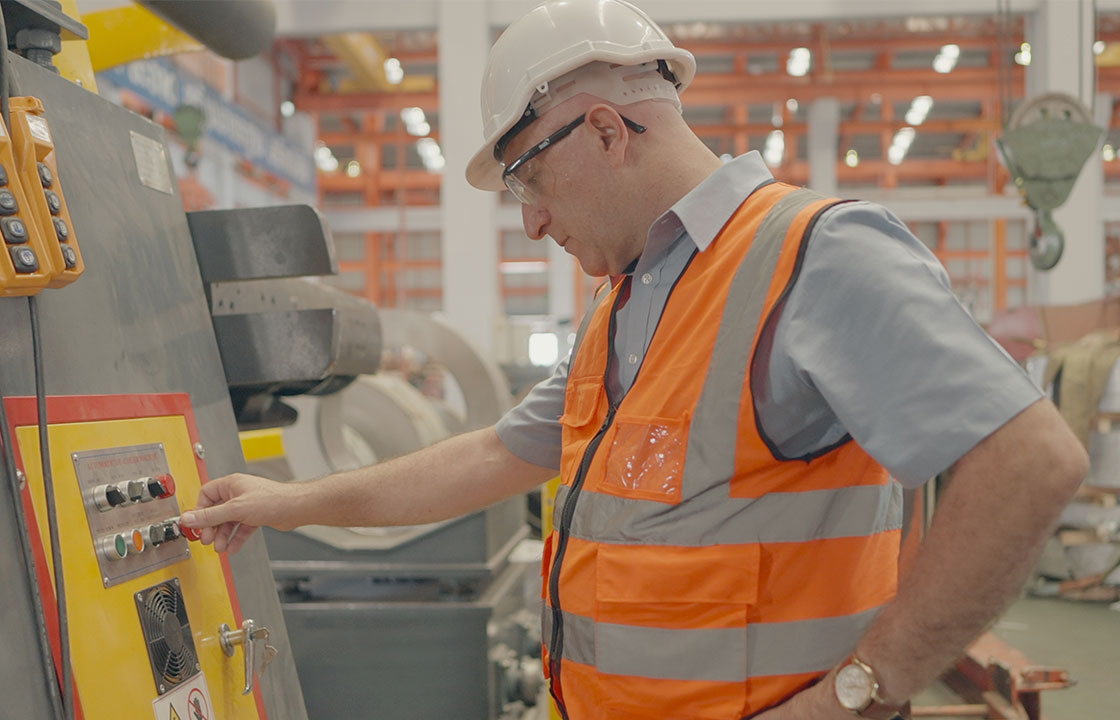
<point>592,269</point>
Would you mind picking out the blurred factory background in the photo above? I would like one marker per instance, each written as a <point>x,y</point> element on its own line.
<point>281,255</point>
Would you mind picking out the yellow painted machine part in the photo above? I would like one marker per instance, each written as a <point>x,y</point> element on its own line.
<point>548,502</point>
<point>121,35</point>
<point>266,444</point>
<point>73,62</point>
<point>109,656</point>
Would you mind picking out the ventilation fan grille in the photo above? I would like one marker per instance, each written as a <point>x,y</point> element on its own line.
<point>167,633</point>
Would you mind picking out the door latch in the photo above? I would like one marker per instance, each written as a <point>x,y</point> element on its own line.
<point>248,636</point>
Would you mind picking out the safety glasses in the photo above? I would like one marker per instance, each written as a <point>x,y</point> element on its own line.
<point>525,185</point>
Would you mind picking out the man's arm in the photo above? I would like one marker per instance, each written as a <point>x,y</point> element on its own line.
<point>988,529</point>
<point>456,476</point>
<point>989,526</point>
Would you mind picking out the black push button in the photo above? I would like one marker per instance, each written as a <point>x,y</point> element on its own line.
<point>114,496</point>
<point>8,204</point>
<point>24,260</point>
<point>70,257</point>
<point>14,231</point>
<point>61,230</point>
<point>54,202</point>
<point>3,176</point>
<point>45,175</point>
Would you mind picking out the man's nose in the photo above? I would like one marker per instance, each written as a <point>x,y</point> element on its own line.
<point>535,219</point>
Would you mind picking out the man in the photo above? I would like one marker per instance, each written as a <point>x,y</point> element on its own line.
<point>727,533</point>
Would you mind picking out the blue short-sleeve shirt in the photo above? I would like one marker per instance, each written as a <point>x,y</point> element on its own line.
<point>870,342</point>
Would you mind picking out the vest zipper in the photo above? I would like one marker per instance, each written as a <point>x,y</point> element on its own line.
<point>556,647</point>
<point>562,530</point>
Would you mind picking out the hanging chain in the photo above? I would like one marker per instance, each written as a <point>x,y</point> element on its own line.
<point>1003,32</point>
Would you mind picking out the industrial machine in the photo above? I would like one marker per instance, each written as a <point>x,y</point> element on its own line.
<point>139,342</point>
<point>117,410</point>
<point>406,622</point>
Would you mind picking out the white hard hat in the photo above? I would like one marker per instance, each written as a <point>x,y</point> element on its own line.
<point>551,40</point>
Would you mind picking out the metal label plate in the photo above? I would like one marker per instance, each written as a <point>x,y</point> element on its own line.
<point>151,162</point>
<point>112,465</point>
<point>39,128</point>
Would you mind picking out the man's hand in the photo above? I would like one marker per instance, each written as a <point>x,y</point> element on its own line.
<point>459,475</point>
<point>816,702</point>
<point>230,508</point>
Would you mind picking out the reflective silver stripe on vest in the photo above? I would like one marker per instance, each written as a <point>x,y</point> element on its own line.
<point>587,321</point>
<point>715,424</point>
<point>775,517</point>
<point>724,655</point>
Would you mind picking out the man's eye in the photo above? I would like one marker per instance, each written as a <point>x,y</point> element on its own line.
<point>531,173</point>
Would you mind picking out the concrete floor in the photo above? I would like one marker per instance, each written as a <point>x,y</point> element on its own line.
<point>1083,638</point>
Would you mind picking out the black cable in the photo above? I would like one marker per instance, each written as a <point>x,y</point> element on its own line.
<point>52,511</point>
<point>29,564</point>
<point>5,74</point>
<point>58,706</point>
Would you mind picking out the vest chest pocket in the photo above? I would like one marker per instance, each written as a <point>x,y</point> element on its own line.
<point>645,458</point>
<point>584,409</point>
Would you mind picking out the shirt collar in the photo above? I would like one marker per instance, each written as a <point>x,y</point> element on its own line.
<point>702,213</point>
<point>707,207</point>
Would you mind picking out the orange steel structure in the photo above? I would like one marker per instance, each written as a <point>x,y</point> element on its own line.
<point>742,92</point>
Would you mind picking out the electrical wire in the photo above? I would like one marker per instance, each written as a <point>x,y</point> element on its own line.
<point>5,73</point>
<point>52,511</point>
<point>29,564</point>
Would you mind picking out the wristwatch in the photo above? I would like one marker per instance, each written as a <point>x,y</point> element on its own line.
<point>857,689</point>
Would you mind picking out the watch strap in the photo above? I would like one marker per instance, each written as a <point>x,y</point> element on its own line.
<point>877,708</point>
<point>881,711</point>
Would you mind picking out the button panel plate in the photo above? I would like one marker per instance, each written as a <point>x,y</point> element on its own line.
<point>95,468</point>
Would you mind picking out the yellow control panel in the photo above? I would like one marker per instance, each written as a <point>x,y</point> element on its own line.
<point>155,626</point>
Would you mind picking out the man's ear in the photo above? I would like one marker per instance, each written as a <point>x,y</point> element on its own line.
<point>610,132</point>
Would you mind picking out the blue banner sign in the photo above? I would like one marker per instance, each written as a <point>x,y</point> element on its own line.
<point>165,86</point>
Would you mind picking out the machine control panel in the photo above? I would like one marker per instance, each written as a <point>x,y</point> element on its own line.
<point>143,489</point>
<point>36,166</point>
<point>132,509</point>
<point>25,265</point>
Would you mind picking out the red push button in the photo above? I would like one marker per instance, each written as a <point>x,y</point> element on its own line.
<point>190,533</point>
<point>161,486</point>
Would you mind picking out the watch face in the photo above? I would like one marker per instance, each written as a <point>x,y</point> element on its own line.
<point>854,687</point>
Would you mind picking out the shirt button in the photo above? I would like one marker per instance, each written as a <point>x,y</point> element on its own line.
<point>647,279</point>
<point>633,359</point>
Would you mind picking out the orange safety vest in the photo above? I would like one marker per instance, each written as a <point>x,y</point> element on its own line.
<point>693,572</point>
